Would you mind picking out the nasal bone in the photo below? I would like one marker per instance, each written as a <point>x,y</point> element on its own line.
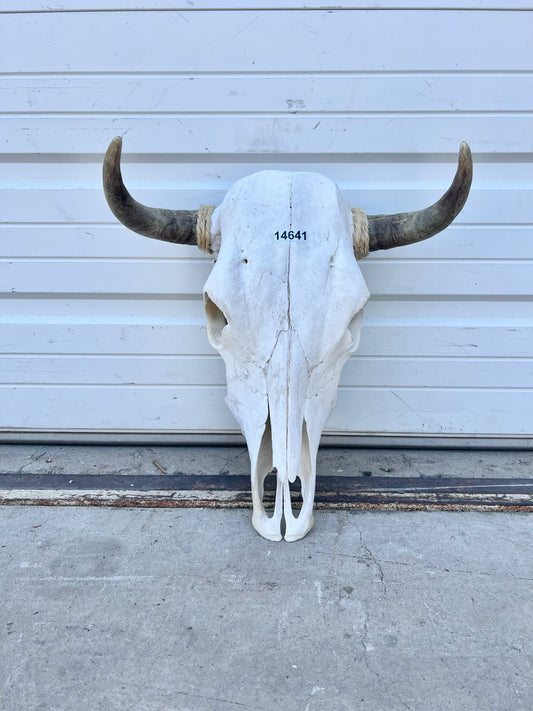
<point>287,380</point>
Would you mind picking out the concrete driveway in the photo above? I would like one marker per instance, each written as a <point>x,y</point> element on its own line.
<point>190,610</point>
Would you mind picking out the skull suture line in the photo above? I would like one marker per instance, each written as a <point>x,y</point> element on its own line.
<point>284,314</point>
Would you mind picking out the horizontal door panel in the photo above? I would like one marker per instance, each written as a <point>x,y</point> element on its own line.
<point>407,340</point>
<point>193,409</point>
<point>88,5</point>
<point>359,371</point>
<point>275,40</point>
<point>114,242</point>
<point>474,279</point>
<point>495,206</point>
<point>319,134</point>
<point>263,93</point>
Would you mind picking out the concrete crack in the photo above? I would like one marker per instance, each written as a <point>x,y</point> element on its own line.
<point>370,556</point>
<point>34,457</point>
<point>364,640</point>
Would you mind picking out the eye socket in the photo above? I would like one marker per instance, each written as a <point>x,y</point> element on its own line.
<point>355,328</point>
<point>216,321</point>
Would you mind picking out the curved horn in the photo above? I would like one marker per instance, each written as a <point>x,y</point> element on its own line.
<point>386,231</point>
<point>178,226</point>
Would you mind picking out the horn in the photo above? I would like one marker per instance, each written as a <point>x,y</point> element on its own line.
<point>386,231</point>
<point>178,226</point>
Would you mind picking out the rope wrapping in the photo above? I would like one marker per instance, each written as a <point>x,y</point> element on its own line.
<point>360,233</point>
<point>203,228</point>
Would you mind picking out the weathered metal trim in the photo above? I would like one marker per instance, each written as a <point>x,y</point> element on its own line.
<point>220,484</point>
<point>328,439</point>
<point>480,497</point>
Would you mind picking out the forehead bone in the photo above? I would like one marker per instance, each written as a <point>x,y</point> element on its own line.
<point>284,201</point>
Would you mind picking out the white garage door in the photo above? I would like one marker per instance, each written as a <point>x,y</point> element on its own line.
<point>103,332</point>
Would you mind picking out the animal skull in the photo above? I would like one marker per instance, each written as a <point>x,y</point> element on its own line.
<point>285,314</point>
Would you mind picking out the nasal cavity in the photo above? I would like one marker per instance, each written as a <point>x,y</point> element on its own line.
<point>270,484</point>
<point>296,492</point>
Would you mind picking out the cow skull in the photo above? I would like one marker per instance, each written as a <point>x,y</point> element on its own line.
<point>284,306</point>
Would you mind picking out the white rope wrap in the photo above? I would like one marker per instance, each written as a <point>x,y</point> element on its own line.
<point>360,233</point>
<point>203,228</point>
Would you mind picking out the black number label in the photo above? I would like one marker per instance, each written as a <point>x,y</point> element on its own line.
<point>290,234</point>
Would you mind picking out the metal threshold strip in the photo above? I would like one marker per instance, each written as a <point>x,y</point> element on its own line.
<point>233,491</point>
<point>328,439</point>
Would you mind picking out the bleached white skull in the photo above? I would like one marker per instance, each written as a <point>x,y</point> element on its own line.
<point>285,314</point>
<point>284,306</point>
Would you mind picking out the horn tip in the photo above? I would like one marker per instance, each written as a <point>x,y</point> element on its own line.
<point>465,165</point>
<point>115,147</point>
<point>464,150</point>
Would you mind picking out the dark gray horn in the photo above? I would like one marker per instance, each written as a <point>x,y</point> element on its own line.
<point>386,231</point>
<point>178,226</point>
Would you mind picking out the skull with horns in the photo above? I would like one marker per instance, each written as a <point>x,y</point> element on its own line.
<point>284,304</point>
